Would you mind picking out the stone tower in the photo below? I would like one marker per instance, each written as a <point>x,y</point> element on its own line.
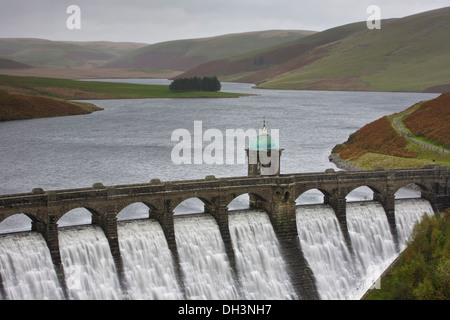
<point>263,155</point>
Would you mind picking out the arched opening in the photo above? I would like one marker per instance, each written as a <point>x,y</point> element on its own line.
<point>16,223</point>
<point>360,194</point>
<point>312,196</point>
<point>134,211</point>
<point>241,202</point>
<point>75,217</point>
<point>190,206</point>
<point>408,192</point>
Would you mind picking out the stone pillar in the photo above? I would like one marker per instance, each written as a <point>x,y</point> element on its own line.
<point>438,196</point>
<point>3,293</point>
<point>165,219</point>
<point>339,204</point>
<point>220,214</point>
<point>108,223</point>
<point>388,203</point>
<point>282,212</point>
<point>49,231</point>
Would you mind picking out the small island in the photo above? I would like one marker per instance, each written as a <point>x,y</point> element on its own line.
<point>209,84</point>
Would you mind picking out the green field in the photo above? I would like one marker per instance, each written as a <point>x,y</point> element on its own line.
<point>90,90</point>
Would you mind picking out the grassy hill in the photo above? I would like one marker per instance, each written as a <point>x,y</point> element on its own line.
<point>11,64</point>
<point>431,120</point>
<point>407,54</point>
<point>277,59</point>
<point>182,55</point>
<point>382,143</point>
<point>42,53</point>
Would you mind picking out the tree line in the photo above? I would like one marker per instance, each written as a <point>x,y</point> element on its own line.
<point>196,84</point>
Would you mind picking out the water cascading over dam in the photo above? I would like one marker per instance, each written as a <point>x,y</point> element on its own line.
<point>338,274</point>
<point>27,271</point>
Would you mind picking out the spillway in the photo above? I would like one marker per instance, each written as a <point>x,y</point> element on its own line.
<point>206,270</point>
<point>88,264</point>
<point>324,248</point>
<point>407,214</point>
<point>344,274</point>
<point>262,271</point>
<point>149,268</point>
<point>26,268</point>
<point>148,263</point>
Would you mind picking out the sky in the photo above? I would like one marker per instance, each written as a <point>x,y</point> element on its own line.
<point>153,21</point>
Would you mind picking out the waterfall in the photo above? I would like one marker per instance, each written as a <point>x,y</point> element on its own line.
<point>407,213</point>
<point>27,271</point>
<point>372,241</point>
<point>26,268</point>
<point>324,248</point>
<point>206,270</point>
<point>262,271</point>
<point>148,264</point>
<point>337,274</point>
<point>88,264</point>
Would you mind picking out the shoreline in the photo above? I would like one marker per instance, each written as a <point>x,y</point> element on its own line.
<point>343,164</point>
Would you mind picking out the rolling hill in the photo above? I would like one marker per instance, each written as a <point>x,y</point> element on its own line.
<point>40,53</point>
<point>181,55</point>
<point>257,65</point>
<point>406,54</point>
<point>11,64</point>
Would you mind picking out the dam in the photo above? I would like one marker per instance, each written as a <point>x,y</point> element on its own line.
<point>275,250</point>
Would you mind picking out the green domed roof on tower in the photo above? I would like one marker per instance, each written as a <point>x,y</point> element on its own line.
<point>264,141</point>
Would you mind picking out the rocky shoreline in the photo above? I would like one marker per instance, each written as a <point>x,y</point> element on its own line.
<point>342,164</point>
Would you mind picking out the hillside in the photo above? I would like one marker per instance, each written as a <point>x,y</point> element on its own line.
<point>407,54</point>
<point>182,55</point>
<point>275,60</point>
<point>382,143</point>
<point>42,53</point>
<point>432,120</point>
<point>11,64</point>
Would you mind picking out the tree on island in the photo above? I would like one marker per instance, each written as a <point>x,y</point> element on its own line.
<point>196,84</point>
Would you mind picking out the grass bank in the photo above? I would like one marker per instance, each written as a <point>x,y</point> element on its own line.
<point>91,90</point>
<point>37,97</point>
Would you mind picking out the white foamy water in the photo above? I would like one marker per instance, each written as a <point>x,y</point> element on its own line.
<point>26,268</point>
<point>148,263</point>
<point>372,241</point>
<point>206,270</point>
<point>262,270</point>
<point>407,214</point>
<point>27,271</point>
<point>326,252</point>
<point>88,264</point>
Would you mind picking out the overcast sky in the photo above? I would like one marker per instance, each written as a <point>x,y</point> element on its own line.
<point>151,21</point>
